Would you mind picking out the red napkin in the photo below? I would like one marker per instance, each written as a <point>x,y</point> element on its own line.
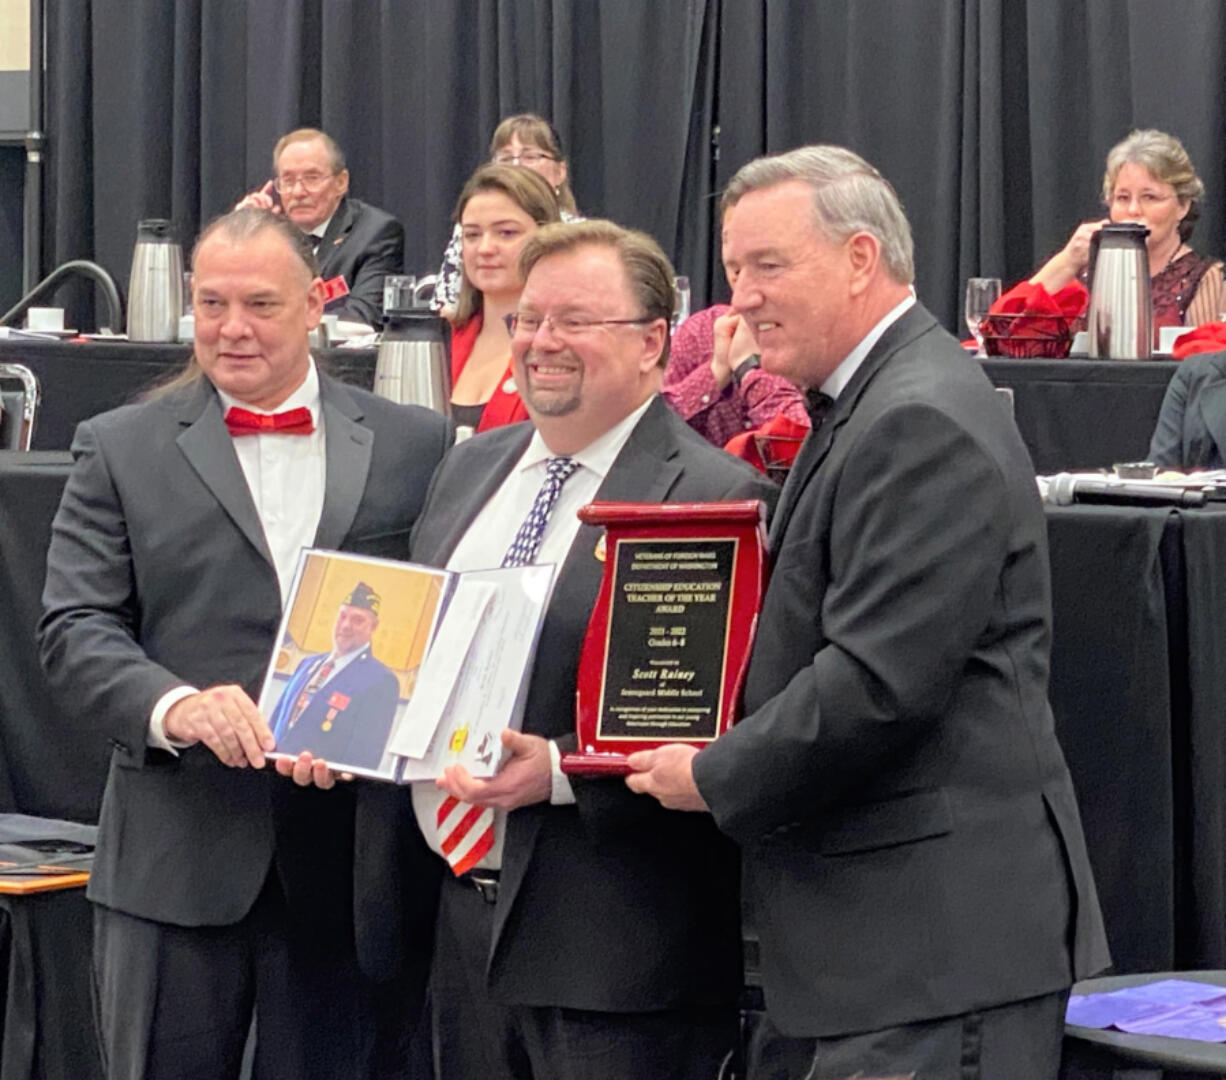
<point>1209,337</point>
<point>1045,330</point>
<point>1025,298</point>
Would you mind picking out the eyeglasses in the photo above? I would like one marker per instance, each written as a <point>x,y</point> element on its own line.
<point>1146,198</point>
<point>524,157</point>
<point>312,181</point>
<point>563,326</point>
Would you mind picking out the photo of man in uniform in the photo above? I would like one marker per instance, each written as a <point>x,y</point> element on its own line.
<point>339,705</point>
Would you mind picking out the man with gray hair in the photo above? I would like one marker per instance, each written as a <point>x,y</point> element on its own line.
<point>913,853</point>
<point>355,244</point>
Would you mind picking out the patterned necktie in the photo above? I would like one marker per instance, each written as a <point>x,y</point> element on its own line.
<point>465,832</point>
<point>527,541</point>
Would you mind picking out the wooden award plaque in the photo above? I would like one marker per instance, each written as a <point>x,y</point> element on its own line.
<point>668,643</point>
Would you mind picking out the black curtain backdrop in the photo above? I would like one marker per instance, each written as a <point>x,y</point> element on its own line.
<point>991,117</point>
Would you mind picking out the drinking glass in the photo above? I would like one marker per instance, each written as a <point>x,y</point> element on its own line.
<point>981,294</point>
<point>398,292</point>
<point>681,312</point>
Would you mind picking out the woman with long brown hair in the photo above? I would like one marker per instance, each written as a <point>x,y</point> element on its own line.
<point>499,208</point>
<point>524,139</point>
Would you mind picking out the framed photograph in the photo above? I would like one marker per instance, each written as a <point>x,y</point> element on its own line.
<point>350,649</point>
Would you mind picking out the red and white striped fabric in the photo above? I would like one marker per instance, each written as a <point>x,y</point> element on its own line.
<point>466,833</point>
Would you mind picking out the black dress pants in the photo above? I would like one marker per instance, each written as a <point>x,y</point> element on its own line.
<point>476,1037</point>
<point>177,1002</point>
<point>1018,1041</point>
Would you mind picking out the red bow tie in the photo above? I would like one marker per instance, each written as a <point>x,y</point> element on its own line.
<point>291,422</point>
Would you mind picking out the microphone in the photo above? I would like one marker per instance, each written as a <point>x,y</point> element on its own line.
<point>1064,489</point>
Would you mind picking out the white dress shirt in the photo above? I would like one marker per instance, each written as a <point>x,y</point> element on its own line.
<point>836,382</point>
<point>486,542</point>
<point>318,233</point>
<point>286,475</point>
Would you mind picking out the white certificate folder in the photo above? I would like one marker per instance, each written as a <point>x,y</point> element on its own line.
<point>395,671</point>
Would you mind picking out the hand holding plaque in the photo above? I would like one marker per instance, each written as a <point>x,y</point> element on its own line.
<point>669,639</point>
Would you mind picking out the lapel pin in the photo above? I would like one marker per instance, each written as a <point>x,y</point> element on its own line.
<point>508,387</point>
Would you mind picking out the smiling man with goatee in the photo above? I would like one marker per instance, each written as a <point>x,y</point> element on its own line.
<point>582,928</point>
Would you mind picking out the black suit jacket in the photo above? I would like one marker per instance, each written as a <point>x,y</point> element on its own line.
<point>611,904</point>
<point>159,575</point>
<point>1191,429</point>
<point>912,843</point>
<point>363,244</point>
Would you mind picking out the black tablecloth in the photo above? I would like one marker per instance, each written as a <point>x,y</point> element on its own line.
<point>45,945</point>
<point>50,765</point>
<point>1073,414</point>
<point>79,380</point>
<point>1084,414</point>
<point>46,1020</point>
<point>1140,706</point>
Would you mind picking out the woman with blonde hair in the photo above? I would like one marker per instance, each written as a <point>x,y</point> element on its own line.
<point>1149,180</point>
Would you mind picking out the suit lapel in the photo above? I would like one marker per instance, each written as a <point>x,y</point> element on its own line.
<point>644,471</point>
<point>347,452</point>
<point>334,238</point>
<point>491,458</point>
<point>209,450</point>
<point>913,322</point>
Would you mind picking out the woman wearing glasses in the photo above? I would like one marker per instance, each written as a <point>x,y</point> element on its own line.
<point>499,208</point>
<point>528,140</point>
<point>1150,181</point>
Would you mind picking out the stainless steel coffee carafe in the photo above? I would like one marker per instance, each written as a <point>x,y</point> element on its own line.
<point>1121,319</point>
<point>414,366</point>
<point>155,289</point>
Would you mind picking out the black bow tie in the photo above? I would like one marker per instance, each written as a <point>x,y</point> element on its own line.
<point>818,406</point>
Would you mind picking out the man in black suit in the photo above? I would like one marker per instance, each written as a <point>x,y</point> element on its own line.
<point>356,245</point>
<point>219,887</point>
<point>588,932</point>
<point>913,854</point>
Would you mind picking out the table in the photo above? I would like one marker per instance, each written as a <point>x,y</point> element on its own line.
<point>49,765</point>
<point>45,948</point>
<point>1072,413</point>
<point>1140,707</point>
<point>1109,1047</point>
<point>47,1030</point>
<point>1083,414</point>
<point>81,379</point>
